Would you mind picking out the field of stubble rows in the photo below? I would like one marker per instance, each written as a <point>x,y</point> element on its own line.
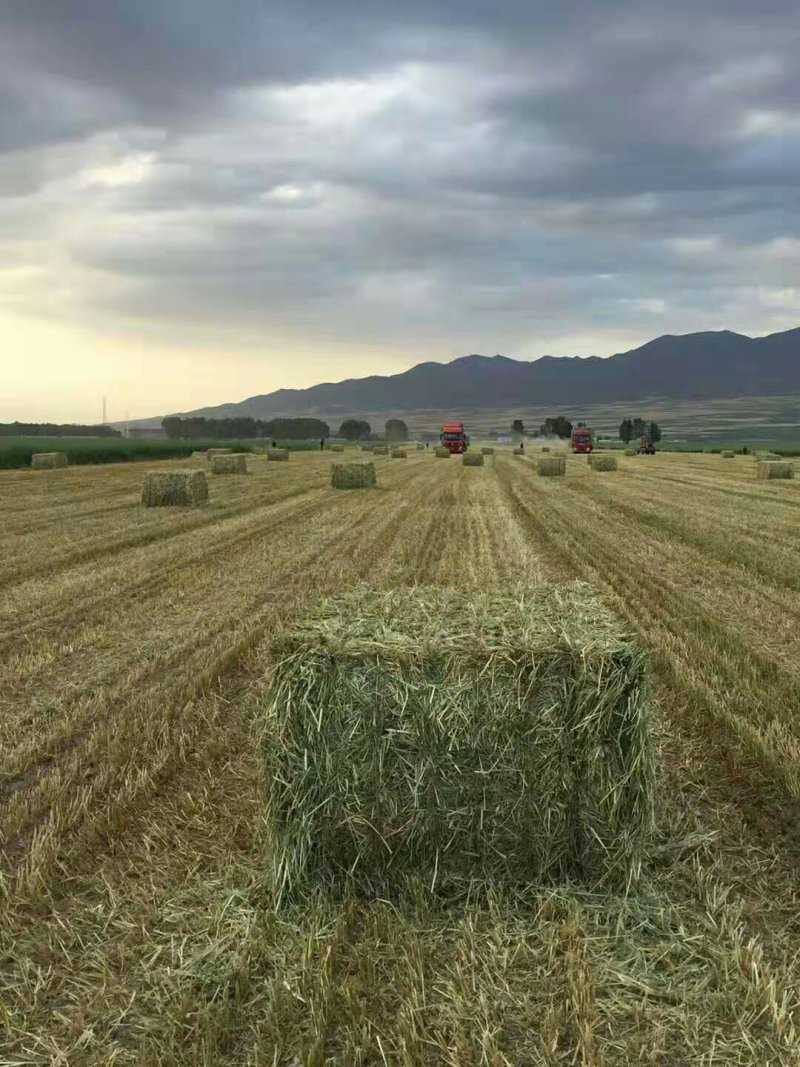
<point>131,696</point>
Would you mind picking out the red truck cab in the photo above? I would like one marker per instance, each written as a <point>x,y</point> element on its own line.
<point>453,437</point>
<point>582,439</point>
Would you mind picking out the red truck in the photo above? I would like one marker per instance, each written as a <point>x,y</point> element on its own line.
<point>582,439</point>
<point>453,437</point>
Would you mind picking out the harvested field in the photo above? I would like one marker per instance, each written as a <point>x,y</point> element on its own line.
<point>135,684</point>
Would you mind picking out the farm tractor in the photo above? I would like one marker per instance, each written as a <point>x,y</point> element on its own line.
<point>646,446</point>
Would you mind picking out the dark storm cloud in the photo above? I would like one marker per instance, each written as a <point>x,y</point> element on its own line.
<point>520,170</point>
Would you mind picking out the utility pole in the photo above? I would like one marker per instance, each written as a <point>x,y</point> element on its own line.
<point>104,411</point>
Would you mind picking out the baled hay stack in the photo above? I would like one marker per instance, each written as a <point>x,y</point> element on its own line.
<point>336,448</point>
<point>366,448</point>
<point>459,737</point>
<point>353,475</point>
<point>552,466</point>
<point>771,469</point>
<point>767,455</point>
<point>472,459</point>
<point>420,448</point>
<point>233,464</point>
<point>545,448</point>
<point>218,452</point>
<point>164,489</point>
<point>48,461</point>
<point>399,453</point>
<point>631,452</point>
<point>602,463</point>
<point>199,455</point>
<point>442,453</point>
<point>727,455</point>
<point>519,451</point>
<point>380,450</point>
<point>278,455</point>
<point>487,451</point>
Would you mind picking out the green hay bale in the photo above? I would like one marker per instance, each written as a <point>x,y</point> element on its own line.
<point>552,466</point>
<point>631,452</point>
<point>486,451</point>
<point>602,462</point>
<point>164,489</point>
<point>233,464</point>
<point>353,475</point>
<point>442,453</point>
<point>278,455</point>
<point>49,461</point>
<point>218,452</point>
<point>727,455</point>
<point>399,453</point>
<point>461,737</point>
<point>336,448</point>
<point>770,469</point>
<point>472,459</point>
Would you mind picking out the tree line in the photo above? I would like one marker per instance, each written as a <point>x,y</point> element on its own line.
<point>632,429</point>
<point>239,428</point>
<point>54,429</point>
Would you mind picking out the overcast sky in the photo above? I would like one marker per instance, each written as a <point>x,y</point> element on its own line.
<point>201,200</point>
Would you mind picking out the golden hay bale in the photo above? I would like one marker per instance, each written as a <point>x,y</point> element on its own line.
<point>472,459</point>
<point>631,452</point>
<point>462,737</point>
<point>519,451</point>
<point>164,489</point>
<point>399,453</point>
<point>441,452</point>
<point>727,455</point>
<point>380,450</point>
<point>551,466</point>
<point>486,451</point>
<point>218,452</point>
<point>545,448</point>
<point>772,469</point>
<point>336,448</point>
<point>199,455</point>
<point>353,475</point>
<point>602,463</point>
<point>420,448</point>
<point>48,461</point>
<point>233,464</point>
<point>278,455</point>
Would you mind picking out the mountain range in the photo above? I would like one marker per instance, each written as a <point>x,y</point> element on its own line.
<point>695,366</point>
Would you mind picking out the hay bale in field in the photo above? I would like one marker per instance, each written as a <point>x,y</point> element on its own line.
<point>164,489</point>
<point>458,736</point>
<point>336,448</point>
<point>353,475</point>
<point>552,466</point>
<point>199,455</point>
<point>399,453</point>
<point>472,459</point>
<point>631,452</point>
<point>519,451</point>
<point>380,450</point>
<point>442,453</point>
<point>278,455</point>
<point>768,455</point>
<point>487,451</point>
<point>236,463</point>
<point>545,448</point>
<point>768,469</point>
<point>218,452</point>
<point>602,462</point>
<point>727,455</point>
<point>420,448</point>
<point>49,461</point>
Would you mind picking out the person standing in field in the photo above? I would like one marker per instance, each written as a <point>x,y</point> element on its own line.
<point>321,443</point>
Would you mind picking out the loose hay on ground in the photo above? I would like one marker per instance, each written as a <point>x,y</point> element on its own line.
<point>472,459</point>
<point>48,461</point>
<point>164,489</point>
<point>353,475</point>
<point>458,737</point>
<point>233,464</point>
<point>278,455</point>
<point>771,469</point>
<point>552,466</point>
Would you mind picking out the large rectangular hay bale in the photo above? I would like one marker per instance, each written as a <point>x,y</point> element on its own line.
<point>336,448</point>
<point>218,452</point>
<point>486,451</point>
<point>353,475</point>
<point>49,461</point>
<point>545,448</point>
<point>236,463</point>
<point>441,452</point>
<point>727,454</point>
<point>767,469</point>
<point>278,455</point>
<point>631,452</point>
<point>602,462</point>
<point>458,736</point>
<point>551,466</point>
<point>164,489</point>
<point>399,453</point>
<point>472,459</point>
<point>380,450</point>
<point>519,451</point>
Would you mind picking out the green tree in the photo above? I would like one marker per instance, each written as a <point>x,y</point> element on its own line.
<point>517,428</point>
<point>354,430</point>
<point>626,431</point>
<point>638,426</point>
<point>396,430</point>
<point>556,426</point>
<point>655,432</point>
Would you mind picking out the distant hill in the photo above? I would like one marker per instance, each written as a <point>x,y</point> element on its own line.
<point>695,366</point>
